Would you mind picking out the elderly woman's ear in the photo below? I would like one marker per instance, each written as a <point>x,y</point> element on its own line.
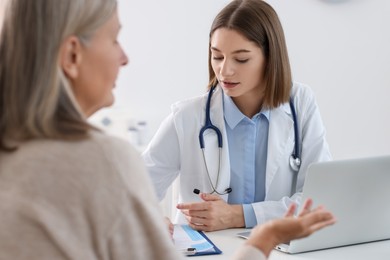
<point>70,56</point>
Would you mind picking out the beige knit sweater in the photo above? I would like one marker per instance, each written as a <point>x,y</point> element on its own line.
<point>84,200</point>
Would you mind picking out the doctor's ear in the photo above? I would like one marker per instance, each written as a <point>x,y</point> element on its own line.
<point>70,56</point>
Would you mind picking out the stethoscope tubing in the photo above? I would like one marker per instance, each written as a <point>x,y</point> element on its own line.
<point>208,124</point>
<point>295,160</point>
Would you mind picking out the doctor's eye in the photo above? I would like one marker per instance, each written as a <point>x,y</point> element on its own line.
<point>242,60</point>
<point>217,58</point>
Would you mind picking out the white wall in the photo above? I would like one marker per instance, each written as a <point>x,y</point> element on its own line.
<point>342,50</point>
<point>339,47</point>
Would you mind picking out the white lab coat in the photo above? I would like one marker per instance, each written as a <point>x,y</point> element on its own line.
<point>175,150</point>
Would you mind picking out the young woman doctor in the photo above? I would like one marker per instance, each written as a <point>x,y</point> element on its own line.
<point>246,144</point>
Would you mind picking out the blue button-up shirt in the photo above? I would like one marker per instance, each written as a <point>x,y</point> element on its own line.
<point>247,139</point>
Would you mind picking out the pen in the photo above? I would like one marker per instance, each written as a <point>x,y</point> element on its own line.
<point>189,251</point>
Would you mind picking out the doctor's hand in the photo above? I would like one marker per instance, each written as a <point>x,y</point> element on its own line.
<point>266,236</point>
<point>213,213</point>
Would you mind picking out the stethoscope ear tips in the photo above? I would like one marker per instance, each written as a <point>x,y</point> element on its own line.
<point>228,190</point>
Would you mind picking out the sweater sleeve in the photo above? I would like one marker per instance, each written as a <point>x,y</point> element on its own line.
<point>139,232</point>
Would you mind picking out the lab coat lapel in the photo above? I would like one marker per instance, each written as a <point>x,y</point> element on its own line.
<point>280,132</point>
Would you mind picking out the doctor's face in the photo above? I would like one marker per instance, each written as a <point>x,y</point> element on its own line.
<point>237,63</point>
<point>101,59</point>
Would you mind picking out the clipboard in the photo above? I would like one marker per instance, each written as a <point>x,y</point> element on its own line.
<point>192,242</point>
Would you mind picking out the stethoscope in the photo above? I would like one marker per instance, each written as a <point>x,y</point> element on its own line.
<point>295,161</point>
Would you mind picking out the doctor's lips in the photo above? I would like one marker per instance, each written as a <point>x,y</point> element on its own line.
<point>229,84</point>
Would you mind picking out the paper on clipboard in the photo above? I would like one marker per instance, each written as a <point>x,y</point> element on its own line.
<point>185,238</point>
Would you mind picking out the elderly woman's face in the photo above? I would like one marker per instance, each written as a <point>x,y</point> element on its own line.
<point>100,62</point>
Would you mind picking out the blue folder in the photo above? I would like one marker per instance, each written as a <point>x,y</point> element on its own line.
<point>216,251</point>
<point>198,243</point>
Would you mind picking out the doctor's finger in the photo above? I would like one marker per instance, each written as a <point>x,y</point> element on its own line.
<point>185,212</point>
<point>196,220</point>
<point>209,197</point>
<point>199,213</point>
<point>195,213</point>
<point>193,206</point>
<point>199,227</point>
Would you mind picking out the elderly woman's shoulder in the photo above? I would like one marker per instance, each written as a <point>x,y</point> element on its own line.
<point>112,145</point>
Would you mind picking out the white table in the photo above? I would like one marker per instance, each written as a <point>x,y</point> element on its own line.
<point>228,242</point>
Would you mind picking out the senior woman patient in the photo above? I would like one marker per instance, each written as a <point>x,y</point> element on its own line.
<point>67,190</point>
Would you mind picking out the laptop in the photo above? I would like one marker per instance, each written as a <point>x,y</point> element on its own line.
<point>357,192</point>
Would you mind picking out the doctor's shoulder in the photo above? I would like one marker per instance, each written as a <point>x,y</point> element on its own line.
<point>302,94</point>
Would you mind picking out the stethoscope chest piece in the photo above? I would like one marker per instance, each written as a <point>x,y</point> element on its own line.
<point>295,163</point>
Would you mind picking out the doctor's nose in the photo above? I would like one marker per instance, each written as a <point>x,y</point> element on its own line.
<point>226,69</point>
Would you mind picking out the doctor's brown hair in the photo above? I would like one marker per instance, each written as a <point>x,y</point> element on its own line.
<point>259,23</point>
<point>36,98</point>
